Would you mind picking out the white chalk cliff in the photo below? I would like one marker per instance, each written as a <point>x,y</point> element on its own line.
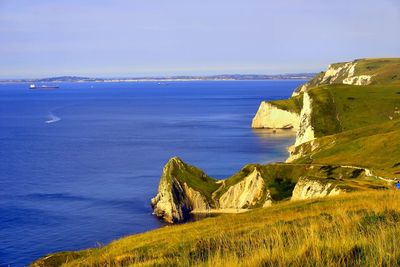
<point>339,73</point>
<point>307,188</point>
<point>175,199</point>
<point>272,117</point>
<point>247,193</point>
<point>306,130</point>
<point>358,80</point>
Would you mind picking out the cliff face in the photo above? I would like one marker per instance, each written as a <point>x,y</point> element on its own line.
<point>339,73</point>
<point>175,199</point>
<point>318,113</point>
<point>254,186</point>
<point>272,117</point>
<point>307,188</point>
<point>358,72</point>
<point>247,193</point>
<point>306,131</point>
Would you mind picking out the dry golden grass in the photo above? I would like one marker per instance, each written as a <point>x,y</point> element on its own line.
<point>357,229</point>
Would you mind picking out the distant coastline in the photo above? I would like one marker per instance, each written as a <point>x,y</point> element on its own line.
<point>222,77</point>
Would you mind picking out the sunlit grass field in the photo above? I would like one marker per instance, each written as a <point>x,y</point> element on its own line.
<point>358,229</point>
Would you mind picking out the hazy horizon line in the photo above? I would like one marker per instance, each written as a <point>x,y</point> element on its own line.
<point>154,76</point>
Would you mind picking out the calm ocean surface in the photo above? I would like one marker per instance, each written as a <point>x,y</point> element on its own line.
<point>78,165</point>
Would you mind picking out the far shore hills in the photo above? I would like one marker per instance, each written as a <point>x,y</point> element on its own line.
<point>221,77</point>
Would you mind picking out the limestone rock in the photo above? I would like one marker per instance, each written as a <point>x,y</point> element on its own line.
<point>247,193</point>
<point>270,116</point>
<point>175,199</point>
<point>307,188</point>
<point>306,130</point>
<point>338,73</point>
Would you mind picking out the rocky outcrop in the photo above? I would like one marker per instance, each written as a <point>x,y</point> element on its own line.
<point>358,80</point>
<point>175,199</point>
<point>307,188</point>
<point>247,193</point>
<point>306,130</point>
<point>338,73</point>
<point>190,190</point>
<point>305,133</point>
<point>272,117</point>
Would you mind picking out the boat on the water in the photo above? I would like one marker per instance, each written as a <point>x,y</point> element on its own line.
<point>34,86</point>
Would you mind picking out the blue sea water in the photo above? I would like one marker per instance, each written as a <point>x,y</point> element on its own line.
<point>79,164</point>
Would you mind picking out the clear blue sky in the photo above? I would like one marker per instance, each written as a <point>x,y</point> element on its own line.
<point>119,38</point>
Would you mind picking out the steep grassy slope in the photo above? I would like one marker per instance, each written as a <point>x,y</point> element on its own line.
<point>376,147</point>
<point>338,108</point>
<point>357,125</point>
<point>374,71</point>
<point>360,229</point>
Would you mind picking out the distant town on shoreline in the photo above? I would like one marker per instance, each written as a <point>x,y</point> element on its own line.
<point>222,77</point>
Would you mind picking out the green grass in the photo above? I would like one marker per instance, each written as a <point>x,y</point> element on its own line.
<point>338,108</point>
<point>376,146</point>
<point>357,125</point>
<point>359,229</point>
<point>359,106</point>
<point>280,178</point>
<point>324,118</point>
<point>192,176</point>
<point>383,71</point>
<point>293,104</point>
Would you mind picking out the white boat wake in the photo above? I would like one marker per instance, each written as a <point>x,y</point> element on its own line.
<point>52,118</point>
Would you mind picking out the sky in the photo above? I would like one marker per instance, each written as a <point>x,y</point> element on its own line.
<point>131,38</point>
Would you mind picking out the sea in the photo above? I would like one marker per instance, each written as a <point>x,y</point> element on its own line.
<point>79,164</point>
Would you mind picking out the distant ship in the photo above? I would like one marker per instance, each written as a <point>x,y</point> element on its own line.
<point>34,86</point>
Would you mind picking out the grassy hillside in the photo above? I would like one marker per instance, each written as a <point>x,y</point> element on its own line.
<point>293,104</point>
<point>359,229</point>
<point>385,70</point>
<point>381,70</point>
<point>338,108</point>
<point>376,147</point>
<point>356,125</point>
<point>281,178</point>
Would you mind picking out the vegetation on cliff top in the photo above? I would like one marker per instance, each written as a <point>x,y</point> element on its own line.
<point>339,108</point>
<point>359,229</point>
<point>293,104</point>
<point>192,176</point>
<point>381,70</point>
<point>376,147</point>
<point>356,125</point>
<point>279,178</point>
